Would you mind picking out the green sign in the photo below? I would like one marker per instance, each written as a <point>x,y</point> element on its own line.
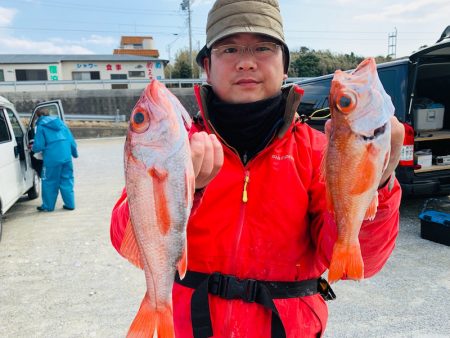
<point>53,73</point>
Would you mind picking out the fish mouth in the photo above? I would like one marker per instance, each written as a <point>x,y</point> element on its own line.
<point>378,132</point>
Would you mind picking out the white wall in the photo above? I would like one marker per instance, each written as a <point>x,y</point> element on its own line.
<point>114,67</point>
<point>53,70</point>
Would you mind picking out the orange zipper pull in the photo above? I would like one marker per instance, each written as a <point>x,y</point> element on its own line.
<point>244,193</point>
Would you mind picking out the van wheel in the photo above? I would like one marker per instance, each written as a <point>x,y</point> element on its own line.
<point>33,193</point>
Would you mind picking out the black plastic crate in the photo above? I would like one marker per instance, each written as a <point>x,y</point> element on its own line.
<point>435,221</point>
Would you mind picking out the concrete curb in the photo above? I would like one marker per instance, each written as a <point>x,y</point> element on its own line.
<point>83,133</point>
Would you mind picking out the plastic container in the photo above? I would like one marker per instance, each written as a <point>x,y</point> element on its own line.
<point>428,119</point>
<point>424,158</point>
<point>435,220</point>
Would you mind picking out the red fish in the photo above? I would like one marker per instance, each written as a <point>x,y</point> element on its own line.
<point>358,150</point>
<point>160,186</point>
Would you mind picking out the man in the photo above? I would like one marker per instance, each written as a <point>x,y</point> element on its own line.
<point>54,139</point>
<point>262,215</point>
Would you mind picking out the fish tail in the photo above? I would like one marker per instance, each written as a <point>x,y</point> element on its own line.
<point>346,262</point>
<point>165,322</point>
<point>150,320</point>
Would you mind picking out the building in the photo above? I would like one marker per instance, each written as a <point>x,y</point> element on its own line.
<point>137,45</point>
<point>23,68</point>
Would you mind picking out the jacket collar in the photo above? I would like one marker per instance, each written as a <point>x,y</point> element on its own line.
<point>292,93</point>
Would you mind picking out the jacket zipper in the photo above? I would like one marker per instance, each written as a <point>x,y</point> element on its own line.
<point>246,181</point>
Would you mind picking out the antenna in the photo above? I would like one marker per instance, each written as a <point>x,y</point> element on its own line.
<point>392,44</point>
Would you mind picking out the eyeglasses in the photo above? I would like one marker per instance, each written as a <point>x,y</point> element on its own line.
<point>260,50</point>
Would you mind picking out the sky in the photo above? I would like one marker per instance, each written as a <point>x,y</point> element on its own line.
<point>95,26</point>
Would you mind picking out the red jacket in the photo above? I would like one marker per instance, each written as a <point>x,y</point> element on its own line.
<point>281,231</point>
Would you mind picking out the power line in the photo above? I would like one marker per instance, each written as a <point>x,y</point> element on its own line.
<point>299,37</point>
<point>82,30</point>
<point>121,10</point>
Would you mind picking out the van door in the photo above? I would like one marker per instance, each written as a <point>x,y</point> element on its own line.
<point>26,172</point>
<point>54,108</point>
<point>11,180</point>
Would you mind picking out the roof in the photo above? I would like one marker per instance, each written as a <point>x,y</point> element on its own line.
<point>439,49</point>
<point>56,58</point>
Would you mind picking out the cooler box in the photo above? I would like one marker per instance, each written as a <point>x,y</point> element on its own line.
<point>435,221</point>
<point>428,119</point>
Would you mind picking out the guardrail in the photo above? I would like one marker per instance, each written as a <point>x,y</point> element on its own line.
<point>86,117</point>
<point>61,85</point>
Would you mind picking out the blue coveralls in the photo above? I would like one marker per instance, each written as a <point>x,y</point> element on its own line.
<point>58,146</point>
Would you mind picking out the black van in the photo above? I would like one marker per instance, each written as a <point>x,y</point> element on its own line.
<point>420,90</point>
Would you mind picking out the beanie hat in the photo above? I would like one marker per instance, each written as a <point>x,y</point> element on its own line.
<point>228,17</point>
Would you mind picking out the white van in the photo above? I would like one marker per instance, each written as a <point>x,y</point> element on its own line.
<point>17,173</point>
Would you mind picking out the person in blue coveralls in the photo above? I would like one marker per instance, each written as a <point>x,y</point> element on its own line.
<point>54,139</point>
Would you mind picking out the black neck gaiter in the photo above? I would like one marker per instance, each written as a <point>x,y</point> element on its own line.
<point>247,127</point>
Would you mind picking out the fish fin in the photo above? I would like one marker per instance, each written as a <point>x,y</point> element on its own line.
<point>365,174</point>
<point>164,322</point>
<point>149,320</point>
<point>144,324</point>
<point>346,262</point>
<point>372,209</point>
<point>159,177</point>
<point>182,263</point>
<point>129,247</point>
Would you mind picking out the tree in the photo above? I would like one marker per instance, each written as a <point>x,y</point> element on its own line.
<point>310,63</point>
<point>306,65</point>
<point>181,69</point>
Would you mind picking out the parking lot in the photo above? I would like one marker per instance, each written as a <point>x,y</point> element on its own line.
<point>60,276</point>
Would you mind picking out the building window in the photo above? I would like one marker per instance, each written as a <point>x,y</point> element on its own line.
<point>31,75</point>
<point>85,76</point>
<point>2,75</point>
<point>135,73</point>
<point>119,76</point>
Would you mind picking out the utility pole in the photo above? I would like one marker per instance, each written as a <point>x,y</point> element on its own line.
<point>186,6</point>
<point>392,44</point>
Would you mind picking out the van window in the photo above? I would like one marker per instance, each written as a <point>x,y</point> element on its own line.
<point>52,110</point>
<point>315,97</point>
<point>4,130</point>
<point>18,132</point>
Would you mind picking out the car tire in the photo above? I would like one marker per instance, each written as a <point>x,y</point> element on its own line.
<point>33,193</point>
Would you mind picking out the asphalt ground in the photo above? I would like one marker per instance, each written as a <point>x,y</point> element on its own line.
<point>60,276</point>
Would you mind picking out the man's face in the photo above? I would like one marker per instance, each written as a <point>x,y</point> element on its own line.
<point>245,78</point>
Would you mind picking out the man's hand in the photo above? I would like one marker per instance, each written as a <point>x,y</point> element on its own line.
<point>207,157</point>
<point>397,136</point>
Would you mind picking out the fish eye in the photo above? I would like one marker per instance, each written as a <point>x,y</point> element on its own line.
<point>138,118</point>
<point>139,121</point>
<point>346,102</point>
